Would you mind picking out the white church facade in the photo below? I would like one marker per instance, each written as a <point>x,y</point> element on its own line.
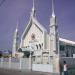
<point>47,47</point>
<point>44,45</point>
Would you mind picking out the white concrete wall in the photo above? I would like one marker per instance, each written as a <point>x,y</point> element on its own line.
<point>42,67</point>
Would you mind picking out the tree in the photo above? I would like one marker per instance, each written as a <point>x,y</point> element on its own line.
<point>0,54</point>
<point>27,54</point>
<point>19,50</point>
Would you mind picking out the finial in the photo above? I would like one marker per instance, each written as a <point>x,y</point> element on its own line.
<point>33,6</point>
<point>53,13</point>
<point>33,10</point>
<point>17,26</point>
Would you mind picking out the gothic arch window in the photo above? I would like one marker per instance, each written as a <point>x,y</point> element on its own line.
<point>40,46</point>
<point>37,46</point>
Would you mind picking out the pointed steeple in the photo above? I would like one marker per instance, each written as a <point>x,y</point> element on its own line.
<point>33,10</point>
<point>53,12</point>
<point>17,27</point>
<point>15,41</point>
<point>53,32</point>
<point>53,16</point>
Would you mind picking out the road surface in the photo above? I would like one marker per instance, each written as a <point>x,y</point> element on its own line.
<point>15,72</point>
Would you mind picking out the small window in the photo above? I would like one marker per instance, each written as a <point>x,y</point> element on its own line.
<point>62,48</point>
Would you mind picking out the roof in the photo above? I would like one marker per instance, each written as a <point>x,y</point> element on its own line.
<point>67,41</point>
<point>34,20</point>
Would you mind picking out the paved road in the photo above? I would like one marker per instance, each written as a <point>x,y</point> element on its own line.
<point>15,72</point>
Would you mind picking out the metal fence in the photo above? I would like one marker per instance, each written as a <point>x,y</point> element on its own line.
<point>15,63</point>
<point>24,64</point>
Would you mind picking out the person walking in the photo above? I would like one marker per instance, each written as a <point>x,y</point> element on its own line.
<point>65,68</point>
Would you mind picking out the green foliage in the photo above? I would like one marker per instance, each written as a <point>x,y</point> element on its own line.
<point>0,55</point>
<point>27,53</point>
<point>19,50</point>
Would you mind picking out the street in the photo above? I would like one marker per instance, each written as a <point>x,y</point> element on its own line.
<point>15,72</point>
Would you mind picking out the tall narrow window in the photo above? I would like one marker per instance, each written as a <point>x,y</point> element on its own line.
<point>37,46</point>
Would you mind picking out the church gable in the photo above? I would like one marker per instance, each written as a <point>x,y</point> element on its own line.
<point>33,33</point>
<point>30,24</point>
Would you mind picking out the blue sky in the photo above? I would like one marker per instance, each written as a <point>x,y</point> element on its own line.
<point>12,11</point>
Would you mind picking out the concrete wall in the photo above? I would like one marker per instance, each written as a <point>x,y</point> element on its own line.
<point>43,67</point>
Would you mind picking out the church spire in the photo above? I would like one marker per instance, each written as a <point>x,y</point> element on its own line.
<point>33,10</point>
<point>53,12</point>
<point>17,27</point>
<point>53,33</point>
<point>15,41</point>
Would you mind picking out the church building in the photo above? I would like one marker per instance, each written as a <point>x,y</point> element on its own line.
<point>42,43</point>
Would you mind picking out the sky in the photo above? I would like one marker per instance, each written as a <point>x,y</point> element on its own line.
<point>14,11</point>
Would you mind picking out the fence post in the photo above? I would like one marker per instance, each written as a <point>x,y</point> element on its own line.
<point>2,62</point>
<point>20,63</point>
<point>9,62</point>
<point>30,61</point>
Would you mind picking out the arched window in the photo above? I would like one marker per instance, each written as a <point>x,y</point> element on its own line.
<point>40,46</point>
<point>37,46</point>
